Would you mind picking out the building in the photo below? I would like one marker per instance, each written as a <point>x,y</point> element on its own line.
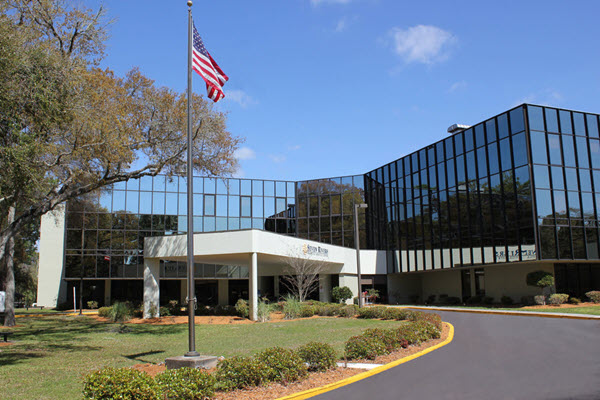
<point>469,215</point>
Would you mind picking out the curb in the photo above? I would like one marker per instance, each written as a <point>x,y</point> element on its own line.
<point>57,313</point>
<point>503,312</point>
<point>327,388</point>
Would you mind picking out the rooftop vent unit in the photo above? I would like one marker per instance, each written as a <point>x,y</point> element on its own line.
<point>457,128</point>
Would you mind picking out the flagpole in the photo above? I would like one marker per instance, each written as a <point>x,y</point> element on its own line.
<point>191,298</point>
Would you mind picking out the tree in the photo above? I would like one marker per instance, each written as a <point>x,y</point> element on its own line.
<point>341,294</point>
<point>301,274</point>
<point>540,279</point>
<point>68,128</point>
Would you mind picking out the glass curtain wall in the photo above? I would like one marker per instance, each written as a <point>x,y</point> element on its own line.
<point>464,200</point>
<point>565,147</point>
<point>106,230</point>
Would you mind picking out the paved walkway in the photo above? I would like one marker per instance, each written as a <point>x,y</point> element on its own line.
<point>495,357</point>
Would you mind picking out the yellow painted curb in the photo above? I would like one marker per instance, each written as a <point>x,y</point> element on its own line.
<point>327,388</point>
<point>504,312</point>
<point>55,314</point>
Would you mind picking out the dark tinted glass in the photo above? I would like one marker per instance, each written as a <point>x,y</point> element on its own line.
<point>516,120</point>
<point>554,147</point>
<point>469,145</point>
<point>460,170</point>
<point>502,126</point>
<point>587,205</point>
<point>582,152</point>
<point>479,135</point>
<point>592,125</point>
<point>449,148</point>
<point>574,206</point>
<point>490,129</point>
<point>505,158</point>
<point>544,206</point>
<point>471,167</point>
<point>548,240</point>
<point>441,175</point>
<point>493,158</point>
<point>536,118</point>
<point>482,162</point>
<point>557,178</point>
<point>565,122</point>
<point>551,120</point>
<point>459,144</point>
<point>579,124</point>
<point>538,148</point>
<point>439,149</point>
<point>571,178</point>
<point>584,180</point>
<point>560,203</point>
<point>519,149</point>
<point>541,176</point>
<point>568,150</point>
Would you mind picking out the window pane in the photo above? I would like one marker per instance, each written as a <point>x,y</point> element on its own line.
<point>541,176</point>
<point>554,146</point>
<point>502,126</point>
<point>145,203</point>
<point>587,203</point>
<point>574,206</point>
<point>516,120</point>
<point>536,118</point>
<point>592,125</point>
<point>582,152</point>
<point>482,162</point>
<point>210,185</point>
<point>459,143</point>
<point>585,180</point>
<point>132,202</point>
<point>146,183</point>
<point>246,202</point>
<point>560,203</point>
<point>490,129</point>
<point>538,148</point>
<point>257,206</point>
<point>565,121</point>
<point>571,178</point>
<point>579,124</point>
<point>479,135</point>
<point>544,207</point>
<point>471,169</point>
<point>221,205</point>
<point>519,150</point>
<point>198,204</point>
<point>158,203</point>
<point>595,153</point>
<point>468,134</point>
<point>257,188</point>
<point>209,204</point>
<point>551,120</point>
<point>234,206</point>
<point>233,186</point>
<point>460,170</point>
<point>557,178</point>
<point>568,150</point>
<point>246,187</point>
<point>269,188</point>
<point>449,148</point>
<point>171,204</point>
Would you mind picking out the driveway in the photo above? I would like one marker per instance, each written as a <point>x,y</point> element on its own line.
<point>495,357</point>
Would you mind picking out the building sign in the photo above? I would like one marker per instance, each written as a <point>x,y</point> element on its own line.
<point>513,255</point>
<point>315,250</point>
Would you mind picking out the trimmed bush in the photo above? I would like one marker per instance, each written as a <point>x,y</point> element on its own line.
<point>506,300</point>
<point>281,365</point>
<point>341,294</point>
<point>120,312</point>
<point>318,356</point>
<point>594,296</point>
<point>104,312</point>
<point>540,279</point>
<point>164,311</point>
<point>372,312</point>
<point>540,299</point>
<point>432,318</point>
<point>389,337</point>
<point>487,300</point>
<point>239,372</point>
<point>363,347</point>
<point>120,383</point>
<point>92,304</point>
<point>242,309</point>
<point>453,300</point>
<point>574,300</point>
<point>307,310</point>
<point>527,300</point>
<point>558,298</point>
<point>174,308</point>
<point>426,330</point>
<point>348,311</point>
<point>397,314</point>
<point>474,300</point>
<point>186,384</point>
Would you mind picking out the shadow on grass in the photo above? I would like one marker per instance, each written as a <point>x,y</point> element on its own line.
<point>17,357</point>
<point>138,356</point>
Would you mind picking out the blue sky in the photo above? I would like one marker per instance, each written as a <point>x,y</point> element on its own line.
<point>324,88</point>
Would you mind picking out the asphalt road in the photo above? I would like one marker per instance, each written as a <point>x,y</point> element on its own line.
<point>495,357</point>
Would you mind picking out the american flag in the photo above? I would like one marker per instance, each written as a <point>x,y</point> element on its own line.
<point>203,64</point>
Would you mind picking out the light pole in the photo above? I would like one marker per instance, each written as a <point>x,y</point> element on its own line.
<point>357,242</point>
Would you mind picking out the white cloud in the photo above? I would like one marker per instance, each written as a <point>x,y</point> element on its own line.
<point>319,2</point>
<point>240,97</point>
<point>294,147</point>
<point>546,97</point>
<point>344,23</point>
<point>422,43</point>
<point>277,159</point>
<point>245,153</point>
<point>457,86</point>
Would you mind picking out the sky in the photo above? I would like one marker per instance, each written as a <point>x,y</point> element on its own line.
<point>325,88</point>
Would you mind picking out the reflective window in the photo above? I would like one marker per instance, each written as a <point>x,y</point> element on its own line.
<point>516,120</point>
<point>571,178</point>
<point>541,176</point>
<point>449,148</point>
<point>479,135</point>
<point>246,206</point>
<point>538,148</point>
<point>582,152</point>
<point>585,180</point>
<point>468,135</point>
<point>493,158</point>
<point>490,130</point>
<point>595,153</point>
<point>519,149</point>
<point>579,124</point>
<point>502,126</point>
<point>551,120</point>
<point>554,147</point>
<point>536,118</point>
<point>568,151</point>
<point>565,121</point>
<point>574,206</point>
<point>482,162</point>
<point>592,125</point>
<point>209,204</point>
<point>544,207</point>
<point>505,154</point>
<point>257,188</point>
<point>557,178</point>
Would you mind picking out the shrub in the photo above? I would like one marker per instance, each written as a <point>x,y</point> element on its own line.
<point>292,307</point>
<point>153,310</point>
<point>389,337</point>
<point>487,300</point>
<point>242,309</point>
<point>397,314</point>
<point>363,347</point>
<point>594,296</point>
<point>426,330</point>
<point>443,298</point>
<point>574,300</point>
<point>120,383</point>
<point>506,300</point>
<point>348,311</point>
<point>307,310</point>
<point>318,356</point>
<point>174,308</point>
<point>164,311</point>
<point>558,298</point>
<point>474,300</point>
<point>92,305</point>
<point>104,312</point>
<point>186,383</point>
<point>453,300</point>
<point>432,318</point>
<point>413,298</point>
<point>120,312</point>
<point>281,365</point>
<point>372,312</point>
<point>431,299</point>
<point>263,311</point>
<point>527,300</point>
<point>328,310</point>
<point>239,372</point>
<point>540,299</point>
<point>541,279</point>
<point>341,294</point>
<point>372,294</point>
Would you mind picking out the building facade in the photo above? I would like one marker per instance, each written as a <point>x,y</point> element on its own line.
<point>469,215</point>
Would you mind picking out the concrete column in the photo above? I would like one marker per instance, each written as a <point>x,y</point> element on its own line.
<point>352,282</point>
<point>52,289</point>
<point>472,283</point>
<point>325,288</point>
<point>253,286</point>
<point>223,292</point>
<point>151,286</point>
<point>183,291</point>
<point>276,287</point>
<point>107,292</point>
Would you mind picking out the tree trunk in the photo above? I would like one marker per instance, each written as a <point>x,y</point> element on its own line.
<point>9,278</point>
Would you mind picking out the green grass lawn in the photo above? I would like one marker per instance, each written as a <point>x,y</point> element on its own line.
<point>52,353</point>
<point>591,310</point>
<point>24,311</point>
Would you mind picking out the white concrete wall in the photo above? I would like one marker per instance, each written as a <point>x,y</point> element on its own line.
<point>325,288</point>
<point>352,282</point>
<point>510,280</point>
<point>51,287</point>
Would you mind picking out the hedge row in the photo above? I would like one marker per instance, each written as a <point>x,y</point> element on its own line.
<point>379,341</point>
<point>274,364</point>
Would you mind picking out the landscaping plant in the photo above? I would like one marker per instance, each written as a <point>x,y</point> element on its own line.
<point>341,294</point>
<point>364,347</point>
<point>239,372</point>
<point>281,365</point>
<point>540,279</point>
<point>594,296</point>
<point>558,298</point>
<point>318,356</point>
<point>186,383</point>
<point>242,309</point>
<point>120,383</point>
